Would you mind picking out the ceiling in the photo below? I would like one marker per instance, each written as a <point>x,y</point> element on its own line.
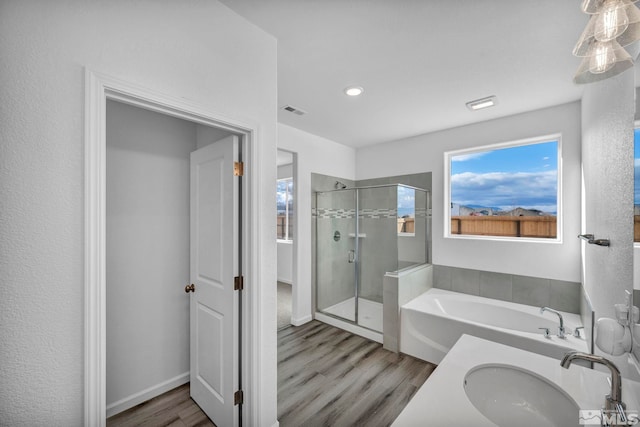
<point>419,61</point>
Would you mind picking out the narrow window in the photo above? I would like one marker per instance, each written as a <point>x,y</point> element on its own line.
<point>406,211</point>
<point>507,191</point>
<point>284,204</point>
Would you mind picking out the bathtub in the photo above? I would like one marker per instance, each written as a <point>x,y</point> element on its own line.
<point>432,323</point>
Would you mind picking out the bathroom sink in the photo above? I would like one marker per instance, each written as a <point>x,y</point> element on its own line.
<point>508,395</point>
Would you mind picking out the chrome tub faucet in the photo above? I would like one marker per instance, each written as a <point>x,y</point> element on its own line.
<point>561,330</point>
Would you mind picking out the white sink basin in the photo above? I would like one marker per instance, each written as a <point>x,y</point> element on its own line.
<point>508,395</point>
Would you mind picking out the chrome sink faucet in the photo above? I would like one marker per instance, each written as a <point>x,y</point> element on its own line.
<point>561,331</point>
<point>613,401</point>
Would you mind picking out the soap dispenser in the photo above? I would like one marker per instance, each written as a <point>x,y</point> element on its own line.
<point>613,336</point>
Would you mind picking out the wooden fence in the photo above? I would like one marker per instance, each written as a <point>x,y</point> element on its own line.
<point>406,225</point>
<point>281,227</point>
<point>636,228</point>
<point>508,226</point>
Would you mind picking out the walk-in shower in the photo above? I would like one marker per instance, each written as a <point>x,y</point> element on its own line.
<point>362,234</point>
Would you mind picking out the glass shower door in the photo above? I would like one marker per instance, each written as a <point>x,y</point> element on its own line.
<point>377,250</point>
<point>336,253</point>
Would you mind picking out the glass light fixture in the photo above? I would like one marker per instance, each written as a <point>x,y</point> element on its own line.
<point>603,57</point>
<point>592,7</point>
<point>598,27</point>
<point>612,21</point>
<point>614,24</point>
<point>606,59</point>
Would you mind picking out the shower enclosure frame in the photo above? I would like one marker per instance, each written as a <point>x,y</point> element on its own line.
<point>358,247</point>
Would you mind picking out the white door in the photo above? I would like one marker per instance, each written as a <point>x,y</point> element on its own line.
<point>214,264</point>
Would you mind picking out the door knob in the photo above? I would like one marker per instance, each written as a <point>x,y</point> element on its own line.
<point>190,288</point>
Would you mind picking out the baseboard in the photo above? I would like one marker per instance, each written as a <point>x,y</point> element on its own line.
<point>301,321</point>
<point>146,394</point>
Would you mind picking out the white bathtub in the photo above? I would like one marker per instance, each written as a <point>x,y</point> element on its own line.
<point>432,323</point>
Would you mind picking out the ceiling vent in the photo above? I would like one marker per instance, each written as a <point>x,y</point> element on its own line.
<point>294,110</point>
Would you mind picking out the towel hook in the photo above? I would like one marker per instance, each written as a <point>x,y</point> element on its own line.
<point>590,238</point>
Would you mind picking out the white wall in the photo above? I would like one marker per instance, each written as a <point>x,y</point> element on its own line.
<point>314,155</point>
<point>193,49</point>
<point>425,153</point>
<point>285,262</point>
<point>285,171</point>
<point>147,249</point>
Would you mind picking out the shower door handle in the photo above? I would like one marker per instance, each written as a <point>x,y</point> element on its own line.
<point>352,256</point>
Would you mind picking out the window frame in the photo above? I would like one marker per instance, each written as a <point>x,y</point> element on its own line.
<point>448,155</point>
<point>287,239</point>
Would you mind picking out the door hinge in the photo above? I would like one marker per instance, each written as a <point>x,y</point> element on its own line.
<point>238,398</point>
<point>238,283</point>
<point>238,168</point>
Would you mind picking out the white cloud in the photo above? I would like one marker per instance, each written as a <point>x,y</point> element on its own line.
<point>471,156</point>
<point>506,190</point>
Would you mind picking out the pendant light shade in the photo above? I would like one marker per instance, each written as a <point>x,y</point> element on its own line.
<point>614,24</point>
<point>606,59</point>
<point>592,7</point>
<point>624,30</point>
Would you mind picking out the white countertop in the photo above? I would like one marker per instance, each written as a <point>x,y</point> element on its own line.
<point>442,401</point>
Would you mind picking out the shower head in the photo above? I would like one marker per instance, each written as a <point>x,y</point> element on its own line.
<point>340,186</point>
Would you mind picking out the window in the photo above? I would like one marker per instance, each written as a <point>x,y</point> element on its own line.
<point>284,204</point>
<point>406,211</point>
<point>506,191</point>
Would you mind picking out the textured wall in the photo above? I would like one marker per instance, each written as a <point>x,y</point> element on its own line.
<point>608,108</point>
<point>194,49</point>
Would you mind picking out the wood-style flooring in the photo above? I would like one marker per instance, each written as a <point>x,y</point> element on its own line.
<point>330,377</point>
<point>326,377</point>
<point>174,408</point>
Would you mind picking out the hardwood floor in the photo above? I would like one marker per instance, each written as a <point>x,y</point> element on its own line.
<point>329,377</point>
<point>173,408</point>
<point>326,377</point>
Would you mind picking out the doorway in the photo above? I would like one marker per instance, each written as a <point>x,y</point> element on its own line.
<point>154,202</point>
<point>100,89</point>
<point>286,235</point>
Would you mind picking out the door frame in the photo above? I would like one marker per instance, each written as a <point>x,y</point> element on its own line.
<point>98,88</point>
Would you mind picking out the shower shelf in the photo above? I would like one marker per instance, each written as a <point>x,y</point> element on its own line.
<point>359,235</point>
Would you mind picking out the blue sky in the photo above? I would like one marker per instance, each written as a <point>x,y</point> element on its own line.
<point>406,201</point>
<point>507,178</point>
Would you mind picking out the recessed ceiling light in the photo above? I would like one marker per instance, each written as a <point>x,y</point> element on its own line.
<point>354,90</point>
<point>479,104</point>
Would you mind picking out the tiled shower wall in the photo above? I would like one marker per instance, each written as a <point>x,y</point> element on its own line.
<point>557,294</point>
<point>378,220</point>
